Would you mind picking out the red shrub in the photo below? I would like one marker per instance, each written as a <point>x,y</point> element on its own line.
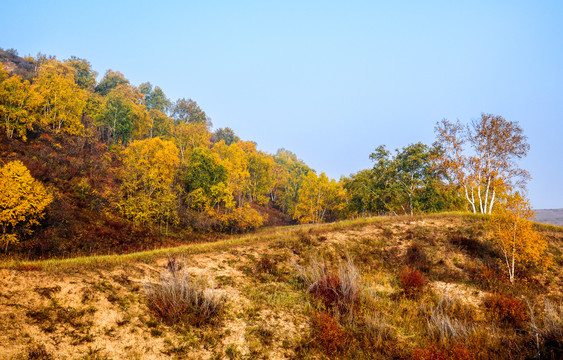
<point>328,289</point>
<point>434,352</point>
<point>505,309</point>
<point>329,333</point>
<point>412,281</point>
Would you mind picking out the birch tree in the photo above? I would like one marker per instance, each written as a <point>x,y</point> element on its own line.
<point>488,169</point>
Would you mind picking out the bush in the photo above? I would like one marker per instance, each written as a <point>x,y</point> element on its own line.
<point>338,291</point>
<point>505,309</point>
<point>329,333</point>
<point>176,297</point>
<point>412,281</point>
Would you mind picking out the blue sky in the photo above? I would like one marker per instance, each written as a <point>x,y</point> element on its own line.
<point>329,81</point>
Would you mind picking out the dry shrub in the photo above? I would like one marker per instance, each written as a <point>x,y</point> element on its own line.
<point>444,327</point>
<point>329,333</point>
<point>548,331</point>
<point>412,281</point>
<point>438,352</point>
<point>338,291</point>
<point>505,309</point>
<point>177,297</point>
<point>416,257</point>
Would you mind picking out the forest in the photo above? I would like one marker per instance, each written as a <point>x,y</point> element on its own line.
<point>108,167</point>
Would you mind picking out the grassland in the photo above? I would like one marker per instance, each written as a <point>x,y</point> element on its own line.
<point>464,307</point>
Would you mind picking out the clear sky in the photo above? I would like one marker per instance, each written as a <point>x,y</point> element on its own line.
<point>327,80</point>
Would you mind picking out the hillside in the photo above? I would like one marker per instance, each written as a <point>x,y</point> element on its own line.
<point>96,307</point>
<point>550,216</point>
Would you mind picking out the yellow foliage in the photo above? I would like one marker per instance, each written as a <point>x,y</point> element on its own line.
<point>513,234</point>
<point>317,197</point>
<point>147,194</point>
<point>22,201</point>
<point>63,99</point>
<point>18,106</point>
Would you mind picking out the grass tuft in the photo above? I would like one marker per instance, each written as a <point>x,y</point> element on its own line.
<point>177,297</point>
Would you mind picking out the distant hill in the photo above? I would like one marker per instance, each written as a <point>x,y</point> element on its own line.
<point>550,216</point>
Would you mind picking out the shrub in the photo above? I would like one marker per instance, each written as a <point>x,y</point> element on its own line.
<point>412,281</point>
<point>339,291</point>
<point>329,333</point>
<point>176,297</point>
<point>505,309</point>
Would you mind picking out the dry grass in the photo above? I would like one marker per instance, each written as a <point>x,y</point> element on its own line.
<point>177,297</point>
<point>443,327</point>
<point>338,291</point>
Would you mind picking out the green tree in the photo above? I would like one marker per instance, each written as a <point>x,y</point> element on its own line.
<point>154,98</point>
<point>22,201</point>
<point>187,111</point>
<point>122,116</point>
<point>111,80</point>
<point>84,76</point>
<point>226,134</point>
<point>205,180</point>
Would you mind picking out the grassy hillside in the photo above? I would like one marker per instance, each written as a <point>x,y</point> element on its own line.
<point>309,292</point>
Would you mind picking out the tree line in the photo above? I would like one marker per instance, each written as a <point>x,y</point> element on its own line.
<point>173,171</point>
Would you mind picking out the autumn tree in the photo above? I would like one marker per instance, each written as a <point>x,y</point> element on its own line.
<point>188,136</point>
<point>489,169</point>
<point>147,195</point>
<point>235,161</point>
<point>19,106</point>
<point>62,99</point>
<point>290,178</point>
<point>512,233</point>
<point>260,179</point>
<point>22,202</point>
<point>318,197</point>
